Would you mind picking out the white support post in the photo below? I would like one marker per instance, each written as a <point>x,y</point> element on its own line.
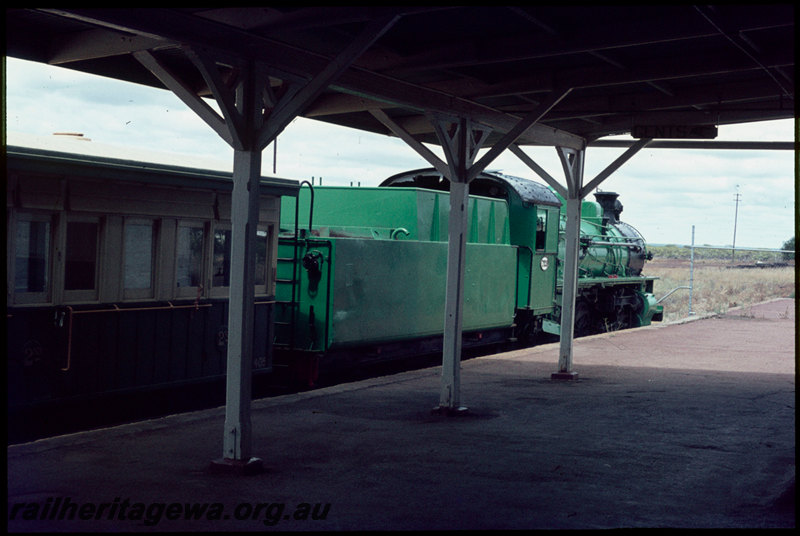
<point>573,168</point>
<point>244,221</point>
<point>572,161</point>
<point>450,395</point>
<point>569,289</point>
<point>243,126</point>
<point>237,433</point>
<point>460,146</point>
<point>244,215</point>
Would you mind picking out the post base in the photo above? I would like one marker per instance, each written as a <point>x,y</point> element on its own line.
<point>253,466</point>
<point>450,412</point>
<point>564,376</point>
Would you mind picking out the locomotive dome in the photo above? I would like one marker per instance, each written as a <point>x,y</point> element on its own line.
<point>488,184</point>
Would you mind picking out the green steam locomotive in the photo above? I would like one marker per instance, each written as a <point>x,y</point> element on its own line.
<point>363,278</point>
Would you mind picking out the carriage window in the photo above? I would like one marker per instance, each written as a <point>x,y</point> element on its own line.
<point>32,256</point>
<point>541,231</point>
<point>80,263</point>
<point>261,257</point>
<point>138,251</point>
<point>189,256</point>
<point>222,258</point>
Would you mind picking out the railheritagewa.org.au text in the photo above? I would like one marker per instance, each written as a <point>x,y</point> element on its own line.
<point>125,510</point>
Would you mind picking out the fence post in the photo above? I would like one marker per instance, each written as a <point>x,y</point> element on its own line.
<point>691,274</point>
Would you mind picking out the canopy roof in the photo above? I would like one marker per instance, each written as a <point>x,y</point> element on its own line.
<point>619,66</point>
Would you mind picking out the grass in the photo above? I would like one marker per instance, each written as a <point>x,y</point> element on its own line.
<point>717,288</point>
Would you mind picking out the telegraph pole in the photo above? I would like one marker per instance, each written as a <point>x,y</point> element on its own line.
<point>736,198</point>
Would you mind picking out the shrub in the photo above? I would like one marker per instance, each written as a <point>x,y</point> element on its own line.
<point>789,244</point>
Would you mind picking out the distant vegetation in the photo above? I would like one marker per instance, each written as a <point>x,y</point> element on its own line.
<point>717,283</point>
<point>788,245</point>
<point>740,256</point>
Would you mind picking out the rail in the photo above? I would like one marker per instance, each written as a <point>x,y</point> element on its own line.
<point>615,244</point>
<point>668,294</point>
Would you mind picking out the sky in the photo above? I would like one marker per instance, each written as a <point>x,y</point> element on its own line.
<point>665,192</point>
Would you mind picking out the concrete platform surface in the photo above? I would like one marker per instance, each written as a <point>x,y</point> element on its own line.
<point>680,425</point>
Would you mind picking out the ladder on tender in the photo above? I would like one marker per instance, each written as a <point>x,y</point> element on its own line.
<point>286,293</point>
<point>287,283</point>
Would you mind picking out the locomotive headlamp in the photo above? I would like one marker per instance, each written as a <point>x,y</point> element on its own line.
<point>544,263</point>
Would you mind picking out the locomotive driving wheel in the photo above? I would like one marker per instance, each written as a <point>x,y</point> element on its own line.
<point>626,312</point>
<point>583,319</point>
<point>621,319</point>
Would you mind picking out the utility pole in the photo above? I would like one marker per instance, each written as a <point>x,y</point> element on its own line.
<point>691,275</point>
<point>736,198</point>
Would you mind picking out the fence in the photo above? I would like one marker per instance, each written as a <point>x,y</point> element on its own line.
<point>725,282</point>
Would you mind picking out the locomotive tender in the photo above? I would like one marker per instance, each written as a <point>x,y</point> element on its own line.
<point>371,281</point>
<point>118,273</point>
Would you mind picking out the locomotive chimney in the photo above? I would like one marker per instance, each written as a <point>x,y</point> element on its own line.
<point>612,208</point>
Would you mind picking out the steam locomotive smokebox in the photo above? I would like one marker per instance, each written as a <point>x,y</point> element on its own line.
<point>612,208</point>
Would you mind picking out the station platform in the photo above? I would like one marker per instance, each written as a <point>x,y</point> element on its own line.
<point>671,426</point>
